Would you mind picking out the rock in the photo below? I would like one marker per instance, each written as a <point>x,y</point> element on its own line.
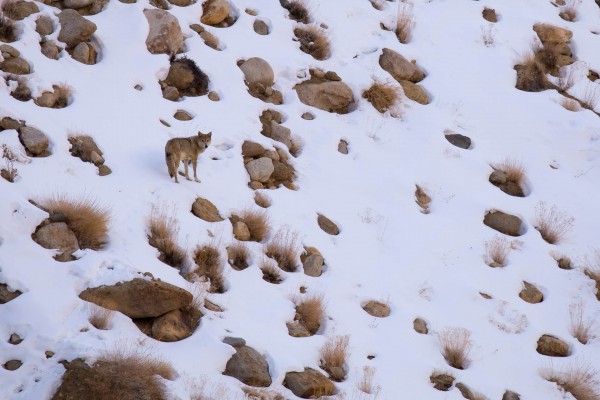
<point>255,185</point>
<point>172,327</point>
<point>197,28</point>
<point>171,93</point>
<point>564,263</point>
<point>414,92</point>
<point>182,3</point>
<point>308,383</point>
<point>15,339</point>
<point>74,28</point>
<point>329,96</point>
<point>47,99</point>
<point>313,265</point>
<point>165,36</point>
<point>327,225</point>
<point>550,34</point>
<point>183,115</point>
<point>8,51</point>
<point>85,148</point>
<point>458,140</point>
<point>282,172</point>
<point>20,10</point>
<point>503,223</point>
<point>252,149</point>
<point>466,392</point>
<point>7,295</point>
<point>261,27</point>
<point>260,169</point>
<point>57,235</point>
<point>12,365</point>
<point>9,123</point>
<point>241,231</point>
<point>77,4</point>
<point>489,15</point>
<point>442,382</point>
<point>332,76</point>
<point>510,395</point>
<point>104,170</point>
<point>16,66</point>
<point>296,329</point>
<point>552,346</point>
<point>234,342</point>
<point>210,40</point>
<point>185,75</point>
<point>209,305</point>
<point>249,367</point>
<point>501,180</point>
<point>377,309</point>
<point>139,298</point>
<point>257,72</point>
<point>85,53</point>
<point>49,354</point>
<point>34,140</point>
<point>50,50</point>
<point>308,116</point>
<point>399,67</point>
<point>44,25</point>
<point>343,146</point>
<point>215,11</point>
<point>420,326</point>
<point>205,210</point>
<point>213,96</point>
<point>281,134</point>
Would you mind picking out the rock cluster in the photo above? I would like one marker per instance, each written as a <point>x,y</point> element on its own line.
<point>406,73</point>
<point>259,78</point>
<point>87,150</point>
<point>12,62</point>
<point>267,168</point>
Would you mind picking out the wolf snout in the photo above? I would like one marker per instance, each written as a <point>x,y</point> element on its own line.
<point>206,146</point>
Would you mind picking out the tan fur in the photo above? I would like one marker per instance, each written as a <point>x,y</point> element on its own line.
<point>186,150</point>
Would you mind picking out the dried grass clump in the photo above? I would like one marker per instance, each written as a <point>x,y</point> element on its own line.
<point>22,91</point>
<point>8,32</point>
<point>209,265</point>
<point>592,270</point>
<point>496,251</point>
<point>531,73</point>
<point>284,249</point>
<point>252,393</point>
<point>310,313</point>
<point>578,380</point>
<point>313,41</point>
<point>100,317</point>
<point>270,271</point>
<point>580,328</point>
<point>366,385</point>
<point>568,12</point>
<point>513,169</point>
<point>334,355</point>
<point>9,173</point>
<point>553,225</point>
<point>570,104</point>
<point>382,95</point>
<point>163,231</point>
<point>238,255</point>
<point>456,345</point>
<point>262,200</point>
<point>297,10</point>
<point>257,222</point>
<point>139,362</point>
<point>85,217</point>
<point>405,22</point>
<point>422,199</point>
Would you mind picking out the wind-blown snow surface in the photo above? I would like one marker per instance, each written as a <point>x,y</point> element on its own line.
<point>427,266</point>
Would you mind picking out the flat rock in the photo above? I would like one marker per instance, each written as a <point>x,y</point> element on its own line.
<point>458,140</point>
<point>182,115</point>
<point>550,34</point>
<point>308,383</point>
<point>34,140</point>
<point>77,4</point>
<point>377,309</point>
<point>399,67</point>
<point>57,235</point>
<point>74,28</point>
<point>552,346</point>
<point>502,222</point>
<point>249,367</point>
<point>12,365</point>
<point>327,225</point>
<point>420,326</point>
<point>336,97</point>
<point>206,210</point>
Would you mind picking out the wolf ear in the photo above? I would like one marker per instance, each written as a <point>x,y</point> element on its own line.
<point>209,134</point>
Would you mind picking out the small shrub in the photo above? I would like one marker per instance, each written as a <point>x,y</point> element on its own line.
<point>456,345</point>
<point>63,93</point>
<point>580,381</point>
<point>383,96</point>
<point>422,199</point>
<point>405,22</point>
<point>257,222</point>
<point>270,271</point>
<point>531,74</point>
<point>313,41</point>
<point>310,313</point>
<point>209,264</point>
<point>580,328</point>
<point>488,35</point>
<point>568,12</point>
<point>297,10</point>
<point>552,224</point>
<point>570,104</point>
<point>8,32</point>
<point>262,200</point>
<point>238,255</point>
<point>334,355</point>
<point>100,317</point>
<point>163,231</point>
<point>10,172</point>
<point>85,217</point>
<point>139,363</point>
<point>284,249</point>
<point>496,251</point>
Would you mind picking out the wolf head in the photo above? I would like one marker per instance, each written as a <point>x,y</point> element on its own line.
<point>204,139</point>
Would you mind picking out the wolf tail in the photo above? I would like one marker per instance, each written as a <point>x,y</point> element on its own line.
<point>170,158</point>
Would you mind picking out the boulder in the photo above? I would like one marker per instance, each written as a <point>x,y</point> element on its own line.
<point>172,326</point>
<point>165,36</point>
<point>327,225</point>
<point>329,95</point>
<point>504,223</point>
<point>531,294</point>
<point>44,25</point>
<point>241,231</point>
<point>7,295</point>
<point>420,326</point>
<point>15,65</point>
<point>20,10</point>
<point>8,51</point>
<point>281,134</point>
<point>215,11</point>
<point>139,298</point>
<point>74,29</point>
<point>180,76</point>
<point>205,210</point>
<point>313,265</point>
<point>261,27</point>
<point>399,67</point>
<point>489,14</point>
<point>12,365</point>
<point>249,367</point>
<point>57,235</point>
<point>550,34</point>
<point>85,148</point>
<point>85,53</point>
<point>308,383</point>
<point>257,72</point>
<point>414,92</point>
<point>461,141</point>
<point>35,141</point>
<point>377,309</point>
<point>260,169</point>
<point>442,382</point>
<point>50,50</point>
<point>252,149</point>
<point>552,346</point>
<point>185,75</point>
<point>182,115</point>
<point>77,4</point>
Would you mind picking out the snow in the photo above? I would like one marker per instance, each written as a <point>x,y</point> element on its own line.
<point>422,265</point>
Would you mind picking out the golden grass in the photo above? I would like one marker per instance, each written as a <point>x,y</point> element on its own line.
<point>578,380</point>
<point>311,312</point>
<point>334,356</point>
<point>456,345</point>
<point>163,230</point>
<point>284,249</point>
<point>85,217</point>
<point>209,264</point>
<point>568,12</point>
<point>580,327</point>
<point>553,225</point>
<point>405,22</point>
<point>257,222</point>
<point>513,169</point>
<point>297,10</point>
<point>531,72</point>
<point>139,362</point>
<point>366,384</point>
<point>270,271</point>
<point>313,41</point>
<point>252,393</point>
<point>382,95</point>
<point>496,251</point>
<point>238,255</point>
<point>100,317</point>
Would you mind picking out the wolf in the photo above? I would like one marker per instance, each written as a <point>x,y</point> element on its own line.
<point>186,150</point>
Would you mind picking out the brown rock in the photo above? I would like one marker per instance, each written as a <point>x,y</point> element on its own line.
<point>329,96</point>
<point>10,123</point>
<point>399,67</point>
<point>442,382</point>
<point>489,15</point>
<point>215,11</point>
<point>183,115</point>
<point>171,93</point>
<point>308,383</point>
<point>175,325</point>
<point>550,34</point>
<point>180,76</point>
<point>249,367</point>
<point>420,326</point>
<point>343,146</point>
<point>531,294</point>
<point>461,141</point>
<point>241,231</point>
<point>257,72</point>
<point>377,309</point>
<point>206,210</point>
<point>7,295</point>
<point>164,36</point>
<point>12,365</point>
<point>313,265</point>
<point>504,223</point>
<point>44,25</point>
<point>552,346</point>
<point>85,53</point>
<point>296,329</point>
<point>57,235</point>
<point>261,27</point>
<point>15,65</point>
<point>34,140</point>
<point>252,149</point>
<point>282,172</point>
<point>85,148</point>
<point>20,10</point>
<point>210,40</point>
<point>50,50</point>
<point>15,339</point>
<point>510,395</point>
<point>213,96</point>
<point>414,92</point>
<point>308,116</point>
<point>104,170</point>
<point>327,225</point>
<point>74,28</point>
<point>260,169</point>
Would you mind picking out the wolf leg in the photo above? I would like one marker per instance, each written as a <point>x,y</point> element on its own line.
<point>195,164</point>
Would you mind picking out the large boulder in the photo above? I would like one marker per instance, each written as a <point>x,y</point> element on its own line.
<point>57,235</point>
<point>74,29</point>
<point>139,298</point>
<point>248,366</point>
<point>399,67</point>
<point>215,11</point>
<point>35,141</point>
<point>165,36</point>
<point>552,346</point>
<point>308,383</point>
<point>503,223</point>
<point>257,72</point>
<point>331,96</point>
<point>260,169</point>
<point>206,210</point>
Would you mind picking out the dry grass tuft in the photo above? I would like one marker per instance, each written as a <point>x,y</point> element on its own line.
<point>163,231</point>
<point>592,269</point>
<point>405,22</point>
<point>568,12</point>
<point>496,251</point>
<point>382,95</point>
<point>566,78</point>
<point>262,200</point>
<point>257,222</point>
<point>209,265</point>
<point>531,73</point>
<point>313,41</point>
<point>580,381</point>
<point>8,32</point>
<point>284,249</point>
<point>365,385</point>
<point>297,9</point>
<point>9,173</point>
<point>553,225</point>
<point>252,393</point>
<point>456,345</point>
<point>513,169</point>
<point>580,328</point>
<point>238,255</point>
<point>422,199</point>
<point>310,313</point>
<point>139,363</point>
<point>85,217</point>
<point>100,317</point>
<point>570,104</point>
<point>270,271</point>
<point>334,355</point>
